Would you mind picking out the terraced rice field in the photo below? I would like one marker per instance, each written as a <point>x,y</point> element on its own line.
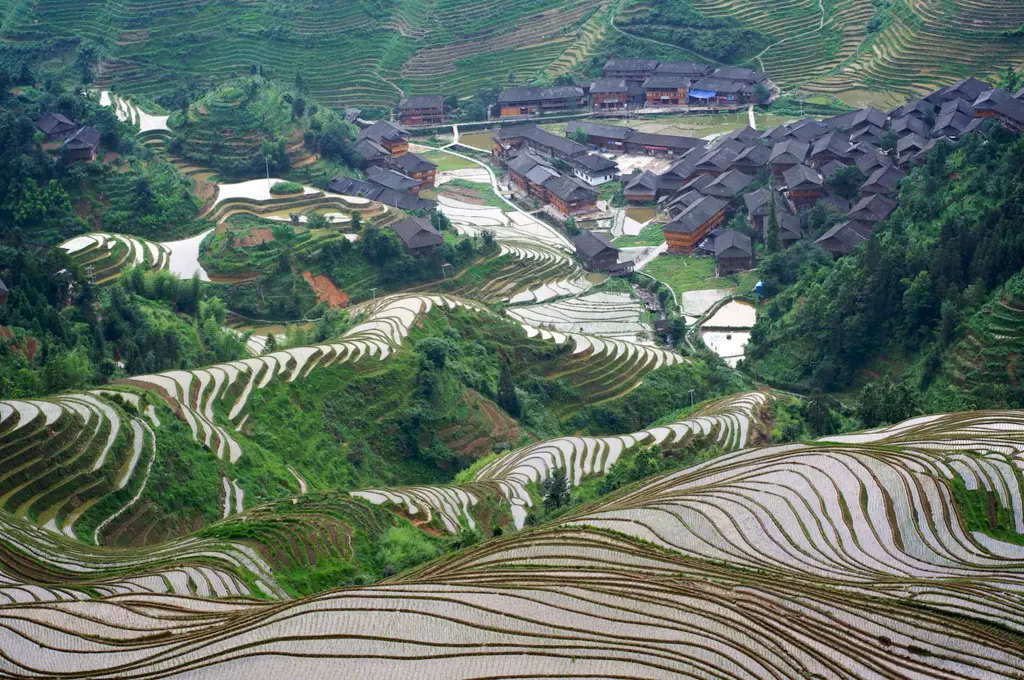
<point>66,455</point>
<point>842,559</point>
<point>610,315</point>
<point>923,44</point>
<point>354,53</point>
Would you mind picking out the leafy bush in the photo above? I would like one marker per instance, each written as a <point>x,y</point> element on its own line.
<point>286,188</point>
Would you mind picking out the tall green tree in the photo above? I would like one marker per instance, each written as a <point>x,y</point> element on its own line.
<point>772,237</point>
<point>556,490</point>
<point>507,397</point>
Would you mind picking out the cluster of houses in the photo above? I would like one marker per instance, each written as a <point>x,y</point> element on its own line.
<point>644,83</point>
<point>626,84</point>
<point>78,142</point>
<point>394,175</point>
<point>708,184</point>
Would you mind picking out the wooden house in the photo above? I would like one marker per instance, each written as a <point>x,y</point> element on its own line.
<point>604,137</point>
<point>667,90</point>
<point>417,167</point>
<point>650,144</point>
<point>422,109</point>
<point>834,146</point>
<point>728,185</point>
<point>538,140</point>
<point>690,227</point>
<point>883,180</point>
<point>873,208</point>
<point>418,235</point>
<point>597,254</point>
<point>758,207</point>
<point>394,139</point>
<point>635,70</point>
<point>570,196</point>
<point>844,237</point>
<point>734,252</point>
<point>609,94</point>
<point>82,145</point>
<point>390,179</point>
<point>350,186</point>
<point>785,155</point>
<point>531,101</point>
<point>804,186</point>
<point>528,172</point>
<point>56,127</point>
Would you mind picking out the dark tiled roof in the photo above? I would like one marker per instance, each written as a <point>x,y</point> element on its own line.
<point>691,219</point>
<point>830,168</point>
<point>569,189</point>
<point>844,237</point>
<point>869,116</point>
<point>543,138</point>
<point>873,208</point>
<point>731,243</point>
<point>951,120</point>
<point>666,82</point>
<point>352,114</point>
<point>755,156</point>
<point>349,186</point>
<point>370,150</point>
<point>834,142</point>
<point>677,142</point>
<point>608,86</point>
<point>391,179</point>
<point>915,107</point>
<point>1012,109</point>
<point>631,64</point>
<point>50,123</point>
<point>746,75</point>
<point>422,101</point>
<point>802,176</point>
<point>789,151</point>
<point>410,162</point>
<point>514,95</point>
<point>417,232</point>
<point>382,129</point>
<point>619,132</point>
<point>968,88</point>
<point>789,227</point>
<point>539,174</point>
<point>591,243</point>
<point>728,184</point>
<point>757,202</point>
<point>524,161</point>
<point>646,180</point>
<point>743,134</point>
<point>594,163</point>
<point>718,85</point>
<point>683,68</point>
<point>85,138</point>
<point>913,141</point>
<point>909,125</point>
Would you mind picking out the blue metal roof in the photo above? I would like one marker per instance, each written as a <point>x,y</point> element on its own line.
<point>702,94</point>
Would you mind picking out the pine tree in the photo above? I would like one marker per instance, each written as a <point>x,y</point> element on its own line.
<point>556,490</point>
<point>772,239</point>
<point>507,397</point>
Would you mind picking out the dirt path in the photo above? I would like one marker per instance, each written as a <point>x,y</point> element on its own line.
<point>326,291</point>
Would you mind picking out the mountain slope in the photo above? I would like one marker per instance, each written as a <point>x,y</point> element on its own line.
<point>829,560</point>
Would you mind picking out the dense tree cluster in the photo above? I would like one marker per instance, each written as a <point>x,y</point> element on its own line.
<point>955,236</point>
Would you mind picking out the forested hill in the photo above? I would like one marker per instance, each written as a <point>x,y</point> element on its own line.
<point>911,293</point>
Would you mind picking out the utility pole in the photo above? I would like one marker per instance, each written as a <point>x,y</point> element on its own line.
<point>691,403</point>
<point>373,291</point>
<point>266,160</point>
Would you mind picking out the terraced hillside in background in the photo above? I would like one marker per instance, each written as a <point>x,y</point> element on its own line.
<point>348,53</point>
<point>915,46</point>
<point>862,557</point>
<point>368,53</point>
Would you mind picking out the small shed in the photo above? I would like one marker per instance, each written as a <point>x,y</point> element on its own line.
<point>733,252</point>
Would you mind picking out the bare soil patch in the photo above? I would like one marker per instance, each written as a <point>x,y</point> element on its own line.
<point>254,238</point>
<point>326,291</point>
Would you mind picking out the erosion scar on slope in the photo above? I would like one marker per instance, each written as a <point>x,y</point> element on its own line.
<point>326,291</point>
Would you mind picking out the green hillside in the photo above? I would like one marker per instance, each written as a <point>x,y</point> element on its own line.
<point>370,53</point>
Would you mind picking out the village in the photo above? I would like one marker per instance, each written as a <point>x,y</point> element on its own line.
<point>603,180</point>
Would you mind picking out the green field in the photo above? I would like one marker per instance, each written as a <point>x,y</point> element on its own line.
<point>685,272</point>
<point>651,235</point>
